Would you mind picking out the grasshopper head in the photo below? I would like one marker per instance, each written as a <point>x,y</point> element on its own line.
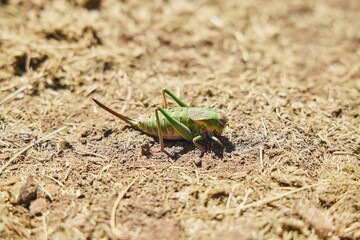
<point>215,124</point>
<point>221,123</point>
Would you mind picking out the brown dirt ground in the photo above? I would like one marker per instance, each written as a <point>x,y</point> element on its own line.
<point>287,73</point>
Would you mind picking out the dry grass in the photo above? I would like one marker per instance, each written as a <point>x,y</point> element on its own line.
<point>287,73</point>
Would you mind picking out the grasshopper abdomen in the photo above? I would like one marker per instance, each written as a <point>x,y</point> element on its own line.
<point>147,123</point>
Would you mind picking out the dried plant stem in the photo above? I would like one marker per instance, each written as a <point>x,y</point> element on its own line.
<point>242,204</point>
<point>115,230</point>
<point>45,228</point>
<point>270,199</point>
<point>261,158</point>
<point>90,154</point>
<point>346,153</point>
<point>13,94</point>
<point>29,146</point>
<point>55,180</point>
<point>10,182</point>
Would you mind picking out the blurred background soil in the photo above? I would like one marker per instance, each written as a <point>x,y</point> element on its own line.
<point>286,73</point>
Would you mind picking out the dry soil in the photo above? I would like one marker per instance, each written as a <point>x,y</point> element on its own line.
<point>286,73</point>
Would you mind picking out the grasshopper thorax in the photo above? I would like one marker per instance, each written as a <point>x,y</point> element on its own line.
<point>211,119</point>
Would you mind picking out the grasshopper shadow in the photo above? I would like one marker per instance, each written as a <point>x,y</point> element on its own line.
<point>174,149</point>
<point>181,147</point>
<point>213,148</point>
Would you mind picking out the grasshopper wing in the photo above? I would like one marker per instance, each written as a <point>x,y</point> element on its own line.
<point>201,114</point>
<point>210,118</point>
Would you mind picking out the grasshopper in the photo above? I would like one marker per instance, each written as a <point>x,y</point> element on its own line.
<point>183,122</point>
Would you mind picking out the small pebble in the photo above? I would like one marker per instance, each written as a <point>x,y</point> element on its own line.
<point>145,148</point>
<point>38,206</point>
<point>198,162</point>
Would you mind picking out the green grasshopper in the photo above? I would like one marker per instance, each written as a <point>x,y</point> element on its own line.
<point>184,122</point>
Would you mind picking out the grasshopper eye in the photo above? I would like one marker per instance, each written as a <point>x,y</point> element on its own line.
<point>223,120</point>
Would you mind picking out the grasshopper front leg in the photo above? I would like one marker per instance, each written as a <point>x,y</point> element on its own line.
<point>196,142</point>
<point>215,139</point>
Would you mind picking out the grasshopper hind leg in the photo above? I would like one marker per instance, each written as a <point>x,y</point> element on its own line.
<point>180,128</point>
<point>160,135</point>
<point>176,99</point>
